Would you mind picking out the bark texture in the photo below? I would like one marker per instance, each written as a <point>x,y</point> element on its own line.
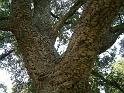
<point>36,38</point>
<point>37,49</point>
<point>71,75</point>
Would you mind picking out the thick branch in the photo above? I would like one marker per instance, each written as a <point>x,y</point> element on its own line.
<point>42,21</point>
<point>2,56</point>
<point>106,81</point>
<point>5,24</point>
<point>42,18</point>
<point>36,47</point>
<point>72,10</point>
<point>73,72</point>
<point>109,37</point>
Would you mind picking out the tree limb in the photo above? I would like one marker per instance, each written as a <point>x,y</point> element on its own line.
<point>72,10</point>
<point>53,15</point>
<point>109,37</point>
<point>110,83</point>
<point>36,48</point>
<point>57,17</point>
<point>83,47</point>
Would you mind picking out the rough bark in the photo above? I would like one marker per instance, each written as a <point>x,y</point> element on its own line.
<point>72,73</point>
<point>40,14</point>
<point>37,49</point>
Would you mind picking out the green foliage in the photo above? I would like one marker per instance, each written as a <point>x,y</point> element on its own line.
<point>120,18</point>
<point>1,1</point>
<point>27,88</point>
<point>4,8</point>
<point>30,87</point>
<point>119,66</point>
<point>94,84</point>
<point>6,37</point>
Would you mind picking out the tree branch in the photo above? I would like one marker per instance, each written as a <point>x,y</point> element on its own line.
<point>57,17</point>
<point>72,10</point>
<point>83,47</point>
<point>2,56</point>
<point>5,23</point>
<point>118,28</point>
<point>41,25</point>
<point>53,15</point>
<point>33,44</point>
<point>109,37</point>
<point>110,83</point>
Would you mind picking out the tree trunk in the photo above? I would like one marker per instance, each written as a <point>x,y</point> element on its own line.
<point>71,74</point>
